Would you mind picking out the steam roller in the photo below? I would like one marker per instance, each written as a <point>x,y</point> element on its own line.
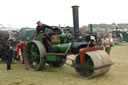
<point>54,46</point>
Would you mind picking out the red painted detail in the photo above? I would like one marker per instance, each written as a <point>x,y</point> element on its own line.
<point>84,50</point>
<point>55,38</point>
<point>48,42</point>
<point>82,30</point>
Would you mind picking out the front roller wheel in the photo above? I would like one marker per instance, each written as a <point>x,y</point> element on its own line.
<point>84,70</point>
<point>34,55</point>
<point>96,63</point>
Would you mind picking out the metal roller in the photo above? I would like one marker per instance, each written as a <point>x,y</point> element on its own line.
<point>96,63</point>
<point>101,62</point>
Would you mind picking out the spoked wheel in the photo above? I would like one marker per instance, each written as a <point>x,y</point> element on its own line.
<point>34,54</point>
<point>85,70</point>
<point>57,63</point>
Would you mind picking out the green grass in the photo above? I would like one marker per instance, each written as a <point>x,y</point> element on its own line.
<point>66,75</point>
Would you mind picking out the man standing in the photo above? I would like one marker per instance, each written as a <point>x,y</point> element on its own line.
<point>9,54</point>
<point>108,43</point>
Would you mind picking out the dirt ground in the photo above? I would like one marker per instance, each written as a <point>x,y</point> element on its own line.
<point>66,75</point>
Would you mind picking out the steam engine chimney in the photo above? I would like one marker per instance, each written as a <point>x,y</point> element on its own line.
<point>76,21</point>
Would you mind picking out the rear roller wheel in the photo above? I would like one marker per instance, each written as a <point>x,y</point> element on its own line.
<point>34,55</point>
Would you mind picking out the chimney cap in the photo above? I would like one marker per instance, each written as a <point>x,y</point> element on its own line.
<point>75,6</point>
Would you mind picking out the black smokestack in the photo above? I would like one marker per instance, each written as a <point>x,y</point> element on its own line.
<point>91,28</point>
<point>116,30</point>
<point>76,21</point>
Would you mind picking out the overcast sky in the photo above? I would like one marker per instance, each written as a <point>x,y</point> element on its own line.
<point>22,13</point>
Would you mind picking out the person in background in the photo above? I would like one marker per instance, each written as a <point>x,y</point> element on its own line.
<point>108,43</point>
<point>20,47</point>
<point>9,53</point>
<point>99,41</point>
<point>121,37</point>
<point>67,30</point>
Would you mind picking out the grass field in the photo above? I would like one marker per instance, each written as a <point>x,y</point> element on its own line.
<point>66,75</point>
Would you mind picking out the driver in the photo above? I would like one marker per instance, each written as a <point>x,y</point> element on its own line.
<point>41,27</point>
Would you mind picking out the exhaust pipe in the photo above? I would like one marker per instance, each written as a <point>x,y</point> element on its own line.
<point>91,28</point>
<point>76,21</point>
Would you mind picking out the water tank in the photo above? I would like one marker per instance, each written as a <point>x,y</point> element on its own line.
<point>4,35</point>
